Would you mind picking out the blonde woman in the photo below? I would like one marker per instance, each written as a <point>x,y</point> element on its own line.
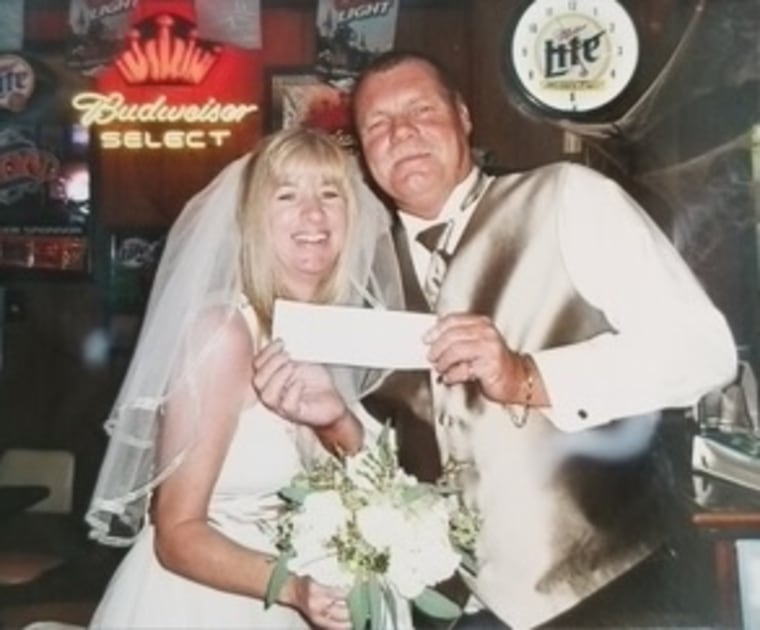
<point>195,460</point>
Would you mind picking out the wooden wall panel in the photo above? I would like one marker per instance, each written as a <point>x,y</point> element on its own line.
<point>515,140</point>
<point>288,36</point>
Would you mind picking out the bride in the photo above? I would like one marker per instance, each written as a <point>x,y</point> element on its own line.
<point>195,461</point>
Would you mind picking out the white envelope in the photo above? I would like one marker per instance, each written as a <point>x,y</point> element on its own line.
<point>345,335</point>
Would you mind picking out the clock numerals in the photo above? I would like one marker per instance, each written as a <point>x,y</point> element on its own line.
<point>571,56</point>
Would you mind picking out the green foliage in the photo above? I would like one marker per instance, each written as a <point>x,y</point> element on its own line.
<point>375,600</point>
<point>277,579</point>
<point>437,605</point>
<point>374,477</point>
<point>358,605</point>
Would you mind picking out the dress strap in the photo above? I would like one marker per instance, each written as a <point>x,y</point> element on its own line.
<point>249,315</point>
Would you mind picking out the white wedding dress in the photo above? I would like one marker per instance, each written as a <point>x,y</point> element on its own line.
<point>263,457</point>
<point>142,594</point>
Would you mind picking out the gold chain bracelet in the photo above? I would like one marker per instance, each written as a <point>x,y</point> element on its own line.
<point>522,419</point>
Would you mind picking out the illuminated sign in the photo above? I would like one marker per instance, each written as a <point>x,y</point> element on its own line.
<point>165,49</point>
<point>134,113</point>
<point>109,109</point>
<point>169,139</point>
<point>104,109</point>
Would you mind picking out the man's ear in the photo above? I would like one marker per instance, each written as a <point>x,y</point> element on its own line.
<point>464,115</point>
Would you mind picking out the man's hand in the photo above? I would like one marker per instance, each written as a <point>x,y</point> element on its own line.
<point>301,392</point>
<point>466,347</point>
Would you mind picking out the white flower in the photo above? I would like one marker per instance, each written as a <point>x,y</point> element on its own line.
<point>380,523</point>
<point>405,576</point>
<point>423,556</point>
<point>321,516</point>
<point>404,479</point>
<point>374,519</point>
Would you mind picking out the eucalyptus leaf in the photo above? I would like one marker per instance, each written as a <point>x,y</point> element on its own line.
<point>412,493</point>
<point>294,494</point>
<point>436,605</point>
<point>358,605</point>
<point>375,598</point>
<point>277,579</point>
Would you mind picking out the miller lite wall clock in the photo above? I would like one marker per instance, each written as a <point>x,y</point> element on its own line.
<point>569,59</point>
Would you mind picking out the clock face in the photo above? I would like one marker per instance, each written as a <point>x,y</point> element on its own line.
<point>572,57</point>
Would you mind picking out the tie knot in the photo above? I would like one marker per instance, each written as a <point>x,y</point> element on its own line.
<point>431,236</point>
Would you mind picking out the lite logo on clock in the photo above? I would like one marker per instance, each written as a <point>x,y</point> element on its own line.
<point>571,56</point>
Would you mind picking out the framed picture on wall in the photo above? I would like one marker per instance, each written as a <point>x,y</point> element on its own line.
<point>297,96</point>
<point>45,202</point>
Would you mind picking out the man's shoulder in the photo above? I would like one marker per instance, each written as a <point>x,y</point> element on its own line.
<point>560,177</point>
<point>553,170</point>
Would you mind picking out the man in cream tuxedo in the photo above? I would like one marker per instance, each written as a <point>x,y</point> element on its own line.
<point>566,322</point>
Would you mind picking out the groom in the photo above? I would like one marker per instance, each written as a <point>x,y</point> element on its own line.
<point>562,308</point>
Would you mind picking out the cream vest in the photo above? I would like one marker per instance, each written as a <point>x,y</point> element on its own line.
<point>557,525</point>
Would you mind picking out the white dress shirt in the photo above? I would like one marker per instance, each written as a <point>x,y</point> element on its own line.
<point>620,262</point>
<point>452,210</point>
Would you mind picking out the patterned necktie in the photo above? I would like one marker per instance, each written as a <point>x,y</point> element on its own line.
<point>435,239</point>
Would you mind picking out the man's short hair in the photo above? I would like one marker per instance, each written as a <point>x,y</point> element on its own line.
<point>393,58</point>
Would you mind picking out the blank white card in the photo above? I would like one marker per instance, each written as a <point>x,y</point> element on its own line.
<point>346,335</point>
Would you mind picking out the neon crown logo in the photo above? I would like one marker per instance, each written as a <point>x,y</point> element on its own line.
<point>165,49</point>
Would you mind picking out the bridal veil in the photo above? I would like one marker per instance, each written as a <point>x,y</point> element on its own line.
<point>200,270</point>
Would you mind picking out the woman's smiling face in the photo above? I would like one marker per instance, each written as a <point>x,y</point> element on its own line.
<point>307,224</point>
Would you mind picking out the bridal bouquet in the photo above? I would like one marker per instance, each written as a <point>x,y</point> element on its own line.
<point>363,524</point>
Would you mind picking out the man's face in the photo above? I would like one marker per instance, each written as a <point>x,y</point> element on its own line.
<point>414,138</point>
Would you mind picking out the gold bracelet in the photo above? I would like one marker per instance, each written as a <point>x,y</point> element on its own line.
<point>520,421</point>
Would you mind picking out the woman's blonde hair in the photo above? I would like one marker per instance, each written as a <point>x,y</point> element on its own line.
<point>284,156</point>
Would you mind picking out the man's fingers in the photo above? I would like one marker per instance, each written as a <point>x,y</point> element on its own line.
<point>454,320</point>
<point>455,340</point>
<point>460,351</point>
<point>461,372</point>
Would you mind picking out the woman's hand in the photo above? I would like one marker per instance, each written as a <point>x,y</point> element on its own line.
<point>322,606</point>
<point>301,392</point>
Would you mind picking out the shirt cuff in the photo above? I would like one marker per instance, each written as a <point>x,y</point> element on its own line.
<point>567,411</point>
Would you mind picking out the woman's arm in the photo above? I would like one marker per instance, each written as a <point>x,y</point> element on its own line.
<point>186,544</point>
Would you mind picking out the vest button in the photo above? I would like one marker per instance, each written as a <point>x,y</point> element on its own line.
<point>582,414</point>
